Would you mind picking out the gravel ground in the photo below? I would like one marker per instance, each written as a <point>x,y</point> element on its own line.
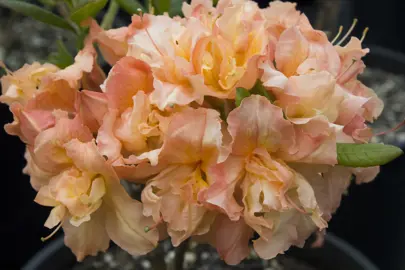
<point>198,257</point>
<point>391,89</point>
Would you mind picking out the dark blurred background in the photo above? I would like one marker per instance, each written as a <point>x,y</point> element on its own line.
<point>371,217</point>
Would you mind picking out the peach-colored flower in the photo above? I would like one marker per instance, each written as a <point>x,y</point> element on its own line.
<point>198,8</point>
<point>192,143</point>
<point>46,156</point>
<point>113,43</point>
<point>228,57</point>
<point>48,151</point>
<point>92,207</point>
<point>92,108</point>
<point>201,56</point>
<point>126,78</point>
<point>345,100</point>
<point>57,90</point>
<point>131,125</point>
<point>298,50</point>
<point>311,102</point>
<point>22,85</point>
<point>351,67</point>
<point>38,177</point>
<point>281,15</point>
<point>279,203</point>
<point>231,238</point>
<point>166,45</point>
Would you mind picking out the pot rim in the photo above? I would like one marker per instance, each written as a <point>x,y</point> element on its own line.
<point>58,244</point>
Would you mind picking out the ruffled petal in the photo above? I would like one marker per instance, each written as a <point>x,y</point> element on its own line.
<point>259,124</point>
<point>292,49</point>
<point>128,76</point>
<point>125,223</point>
<point>93,107</point>
<point>220,194</point>
<point>87,239</point>
<point>192,135</point>
<point>231,239</point>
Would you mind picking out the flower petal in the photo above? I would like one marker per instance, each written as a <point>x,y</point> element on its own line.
<point>231,238</point>
<point>259,124</point>
<point>125,223</point>
<point>192,135</point>
<point>292,228</point>
<point>87,239</point>
<point>292,49</point>
<point>86,157</point>
<point>128,76</point>
<point>365,175</point>
<point>93,107</point>
<point>220,194</point>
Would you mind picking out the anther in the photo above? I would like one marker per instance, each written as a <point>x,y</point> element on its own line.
<point>348,32</point>
<point>338,34</point>
<point>363,36</point>
<point>43,239</point>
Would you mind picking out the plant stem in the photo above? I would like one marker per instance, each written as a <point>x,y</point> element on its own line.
<point>110,15</point>
<point>179,258</point>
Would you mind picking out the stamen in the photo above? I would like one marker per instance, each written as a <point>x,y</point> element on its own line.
<point>392,129</point>
<point>43,239</point>
<point>338,34</point>
<point>364,34</point>
<point>347,69</point>
<point>148,229</point>
<point>3,66</point>
<point>295,206</point>
<point>153,42</point>
<point>348,32</point>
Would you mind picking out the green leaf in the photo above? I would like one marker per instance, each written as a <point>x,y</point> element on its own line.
<point>130,6</point>
<point>259,89</point>
<point>241,93</point>
<point>37,13</point>
<point>62,58</point>
<point>49,3</point>
<point>81,36</point>
<point>175,8</point>
<point>161,6</point>
<point>110,15</point>
<point>366,155</point>
<point>90,9</point>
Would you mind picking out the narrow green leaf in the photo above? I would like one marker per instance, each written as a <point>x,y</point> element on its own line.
<point>130,6</point>
<point>241,93</point>
<point>259,89</point>
<point>90,9</point>
<point>366,155</point>
<point>37,13</point>
<point>49,3</point>
<point>161,6</point>
<point>62,58</point>
<point>81,36</point>
<point>175,8</point>
<point>110,15</point>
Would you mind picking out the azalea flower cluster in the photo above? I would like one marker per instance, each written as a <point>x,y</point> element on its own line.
<point>165,116</point>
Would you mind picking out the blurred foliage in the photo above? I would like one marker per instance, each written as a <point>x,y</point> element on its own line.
<point>61,58</point>
<point>69,14</point>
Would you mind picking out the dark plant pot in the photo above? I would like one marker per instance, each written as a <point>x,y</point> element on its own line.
<point>336,254</point>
